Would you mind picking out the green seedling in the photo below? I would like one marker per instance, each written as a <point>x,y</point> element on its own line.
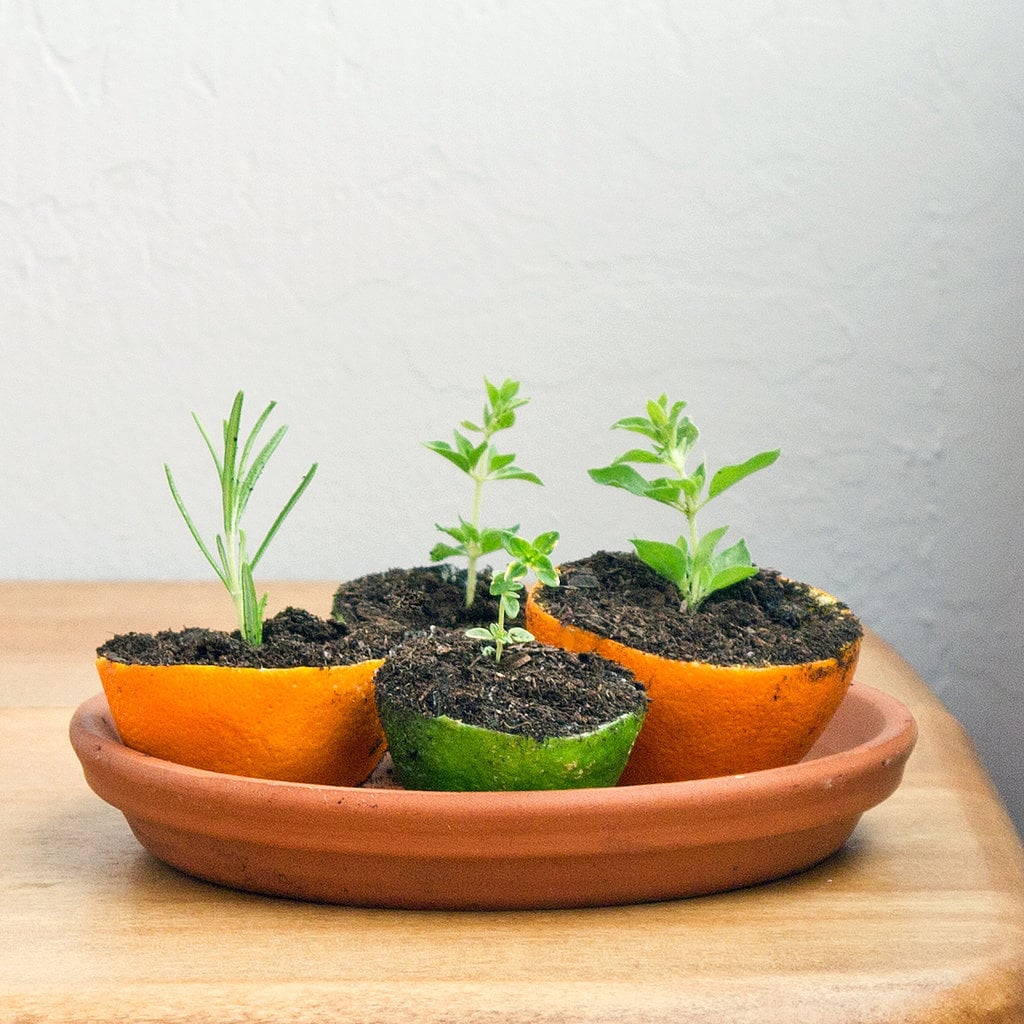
<point>507,587</point>
<point>238,477</point>
<point>482,463</point>
<point>691,563</point>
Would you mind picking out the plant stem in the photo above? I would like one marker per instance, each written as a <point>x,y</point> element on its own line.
<point>689,600</point>
<point>498,645</point>
<point>478,486</point>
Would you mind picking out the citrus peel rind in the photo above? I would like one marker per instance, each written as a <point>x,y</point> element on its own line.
<point>314,725</point>
<point>442,753</point>
<point>709,720</point>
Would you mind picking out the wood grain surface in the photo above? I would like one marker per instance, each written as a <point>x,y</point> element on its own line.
<point>920,917</point>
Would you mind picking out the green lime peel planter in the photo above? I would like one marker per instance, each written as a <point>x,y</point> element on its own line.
<point>441,753</point>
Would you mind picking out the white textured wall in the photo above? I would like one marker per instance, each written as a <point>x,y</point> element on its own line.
<point>804,216</point>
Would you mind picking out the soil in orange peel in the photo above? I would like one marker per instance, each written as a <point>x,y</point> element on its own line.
<point>747,682</point>
<point>534,691</point>
<point>400,601</point>
<point>291,639</point>
<point>764,620</point>
<point>298,708</point>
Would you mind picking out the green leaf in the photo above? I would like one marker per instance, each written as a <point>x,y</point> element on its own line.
<point>530,555</point>
<point>296,494</point>
<point>691,488</point>
<point>677,408</point>
<point>502,583</point>
<point>515,572</point>
<point>192,526</point>
<point>517,474</point>
<point>686,435</point>
<point>546,574</point>
<point>440,551</point>
<point>727,577</point>
<point>666,490</point>
<point>254,433</point>
<point>517,547</point>
<point>500,414</point>
<point>545,542</point>
<point>658,411</point>
<point>503,420</point>
<point>498,462</point>
<point>518,635</point>
<point>479,633</point>
<point>638,425</point>
<point>668,560</point>
<point>246,487</point>
<point>446,451</point>
<point>737,555</point>
<point>621,476</point>
<point>707,544</point>
<point>463,533</point>
<point>729,475</point>
<point>252,609</point>
<point>231,426</point>
<point>491,540</point>
<point>473,452</point>
<point>232,583</point>
<point>637,455</point>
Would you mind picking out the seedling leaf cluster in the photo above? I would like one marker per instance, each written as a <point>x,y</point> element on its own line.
<point>507,586</point>
<point>481,461</point>
<point>693,563</point>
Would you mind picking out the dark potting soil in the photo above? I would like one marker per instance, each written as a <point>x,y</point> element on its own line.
<point>402,600</point>
<point>369,615</point>
<point>765,619</point>
<point>534,690</point>
<point>291,638</point>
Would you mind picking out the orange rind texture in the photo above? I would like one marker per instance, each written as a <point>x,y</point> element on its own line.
<point>315,725</point>
<point>708,720</point>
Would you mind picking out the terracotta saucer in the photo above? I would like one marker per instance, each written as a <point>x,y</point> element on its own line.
<point>388,847</point>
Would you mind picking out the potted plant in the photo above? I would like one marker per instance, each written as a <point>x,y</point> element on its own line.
<point>400,600</point>
<point>510,715</point>
<point>290,698</point>
<point>744,668</point>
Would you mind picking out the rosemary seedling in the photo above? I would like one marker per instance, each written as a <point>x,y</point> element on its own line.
<point>238,477</point>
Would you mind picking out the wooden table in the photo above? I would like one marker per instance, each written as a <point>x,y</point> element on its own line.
<point>920,917</point>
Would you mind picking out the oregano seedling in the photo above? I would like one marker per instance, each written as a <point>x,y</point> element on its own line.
<point>482,463</point>
<point>507,587</point>
<point>691,563</point>
<point>238,478</point>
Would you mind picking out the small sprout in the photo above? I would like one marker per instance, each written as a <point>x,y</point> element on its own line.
<point>507,587</point>
<point>482,463</point>
<point>237,479</point>
<point>691,562</point>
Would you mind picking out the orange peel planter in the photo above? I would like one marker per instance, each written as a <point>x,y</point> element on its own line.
<point>710,720</point>
<point>316,725</point>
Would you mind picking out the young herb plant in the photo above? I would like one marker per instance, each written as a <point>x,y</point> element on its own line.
<point>238,477</point>
<point>507,587</point>
<point>482,463</point>
<point>691,562</point>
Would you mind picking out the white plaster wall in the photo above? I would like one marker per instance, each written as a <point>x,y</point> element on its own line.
<point>803,216</point>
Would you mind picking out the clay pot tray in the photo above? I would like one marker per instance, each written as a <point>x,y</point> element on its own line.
<point>388,847</point>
